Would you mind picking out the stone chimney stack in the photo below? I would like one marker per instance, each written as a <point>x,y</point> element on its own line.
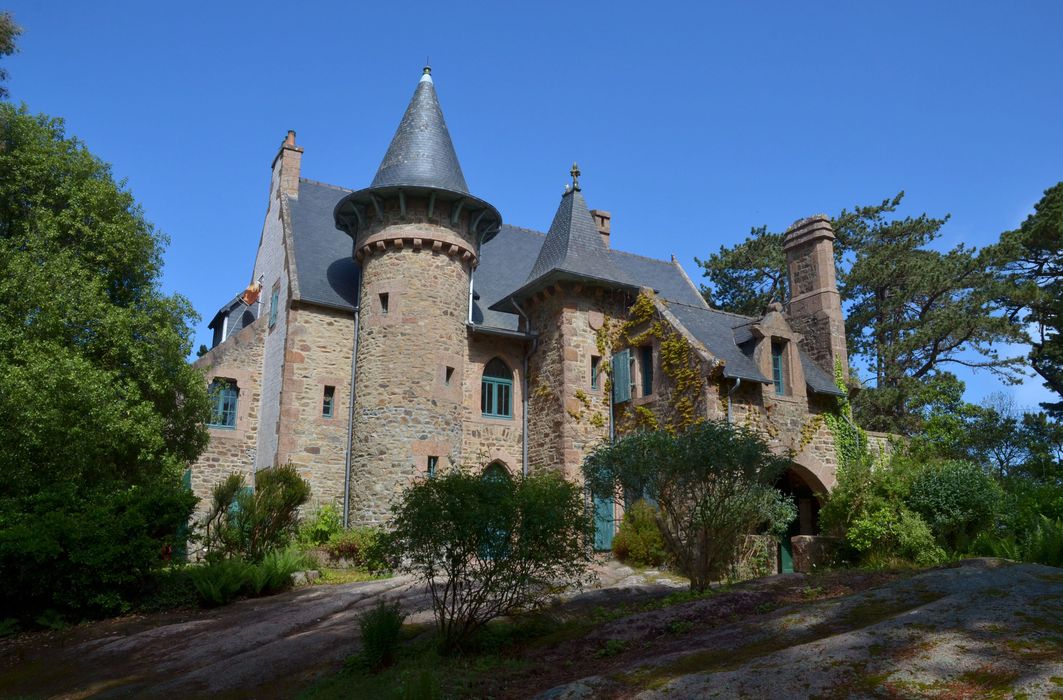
<point>601,220</point>
<point>286,166</point>
<point>815,308</point>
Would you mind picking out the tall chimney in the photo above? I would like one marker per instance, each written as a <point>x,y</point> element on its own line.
<point>286,166</point>
<point>815,308</point>
<point>601,220</point>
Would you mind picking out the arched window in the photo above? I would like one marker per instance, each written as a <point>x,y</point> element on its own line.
<point>496,390</point>
<point>495,471</point>
<point>223,396</point>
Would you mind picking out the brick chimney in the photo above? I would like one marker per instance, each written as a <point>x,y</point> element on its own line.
<point>601,220</point>
<point>286,166</point>
<point>815,308</point>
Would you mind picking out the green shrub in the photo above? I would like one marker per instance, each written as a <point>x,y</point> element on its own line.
<point>380,627</point>
<point>250,523</point>
<point>713,484</point>
<point>219,582</point>
<point>486,547</point>
<point>86,554</point>
<point>639,540</point>
<point>325,523</point>
<point>1044,544</point>
<point>274,572</point>
<point>365,547</point>
<point>915,542</point>
<point>956,499</point>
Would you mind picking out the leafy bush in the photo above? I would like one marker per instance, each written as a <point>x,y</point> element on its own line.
<point>250,523</point>
<point>487,547</point>
<point>220,581</point>
<point>380,627</point>
<point>713,486</point>
<point>319,529</point>
<point>83,555</point>
<point>957,499</point>
<point>366,547</point>
<point>639,540</point>
<point>1044,544</point>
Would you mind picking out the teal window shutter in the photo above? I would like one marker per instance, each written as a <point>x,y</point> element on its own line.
<point>622,376</point>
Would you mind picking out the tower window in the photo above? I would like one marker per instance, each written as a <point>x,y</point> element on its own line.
<point>778,367</point>
<point>433,465</point>
<point>328,402</point>
<point>383,303</point>
<point>496,390</point>
<point>448,374</point>
<point>646,358</point>
<point>223,396</point>
<point>595,366</point>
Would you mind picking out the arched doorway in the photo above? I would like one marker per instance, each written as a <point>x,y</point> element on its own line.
<point>804,488</point>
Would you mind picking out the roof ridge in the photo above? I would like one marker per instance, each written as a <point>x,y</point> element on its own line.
<point>324,184</point>
<point>716,311</point>
<point>525,228</point>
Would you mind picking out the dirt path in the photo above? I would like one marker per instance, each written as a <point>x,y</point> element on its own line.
<point>265,647</point>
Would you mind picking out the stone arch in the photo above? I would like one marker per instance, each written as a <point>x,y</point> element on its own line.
<point>496,469</point>
<point>804,483</point>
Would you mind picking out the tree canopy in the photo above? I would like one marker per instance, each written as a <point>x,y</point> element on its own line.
<point>9,31</point>
<point>912,311</point>
<point>98,402</point>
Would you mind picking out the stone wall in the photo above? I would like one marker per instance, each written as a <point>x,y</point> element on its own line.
<point>238,358</point>
<point>414,305</point>
<point>320,343</point>
<point>569,417</point>
<point>486,439</point>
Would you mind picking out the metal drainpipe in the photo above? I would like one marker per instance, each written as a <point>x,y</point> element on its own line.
<point>350,417</point>
<point>524,389</point>
<point>738,383</point>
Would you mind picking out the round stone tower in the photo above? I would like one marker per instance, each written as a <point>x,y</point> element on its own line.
<point>417,234</point>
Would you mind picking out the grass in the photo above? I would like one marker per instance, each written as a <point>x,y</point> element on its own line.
<point>336,576</point>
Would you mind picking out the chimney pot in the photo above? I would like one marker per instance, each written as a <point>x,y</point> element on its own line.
<point>289,140</point>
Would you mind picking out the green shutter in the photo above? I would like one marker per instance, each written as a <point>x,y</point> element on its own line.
<point>622,376</point>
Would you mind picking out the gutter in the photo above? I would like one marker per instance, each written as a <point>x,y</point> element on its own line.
<point>350,420</point>
<point>524,387</point>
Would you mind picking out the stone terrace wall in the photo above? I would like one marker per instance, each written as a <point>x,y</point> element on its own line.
<point>232,450</point>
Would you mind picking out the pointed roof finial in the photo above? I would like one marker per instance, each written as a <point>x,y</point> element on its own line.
<point>426,77</point>
<point>575,173</point>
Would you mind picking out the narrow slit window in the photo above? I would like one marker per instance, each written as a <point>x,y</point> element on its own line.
<point>595,366</point>
<point>328,402</point>
<point>433,465</point>
<point>384,303</point>
<point>448,375</point>
<point>778,367</point>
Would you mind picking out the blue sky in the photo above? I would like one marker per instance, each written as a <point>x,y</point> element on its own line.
<point>691,122</point>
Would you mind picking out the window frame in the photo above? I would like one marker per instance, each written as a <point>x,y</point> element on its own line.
<point>220,391</point>
<point>493,389</point>
<point>778,366</point>
<point>596,364</point>
<point>328,402</point>
<point>274,302</point>
<point>646,367</point>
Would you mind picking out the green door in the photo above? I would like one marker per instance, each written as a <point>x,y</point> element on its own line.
<point>603,523</point>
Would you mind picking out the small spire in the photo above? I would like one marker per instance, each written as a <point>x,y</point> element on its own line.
<point>575,173</point>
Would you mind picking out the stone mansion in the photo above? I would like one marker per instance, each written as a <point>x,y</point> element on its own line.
<point>402,329</point>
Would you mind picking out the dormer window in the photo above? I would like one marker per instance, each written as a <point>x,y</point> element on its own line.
<point>778,366</point>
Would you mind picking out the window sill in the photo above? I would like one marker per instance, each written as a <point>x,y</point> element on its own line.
<point>488,416</point>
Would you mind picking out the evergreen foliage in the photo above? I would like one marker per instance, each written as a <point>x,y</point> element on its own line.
<point>9,31</point>
<point>101,411</point>
<point>638,540</point>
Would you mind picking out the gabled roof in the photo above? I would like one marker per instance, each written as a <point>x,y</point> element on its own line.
<point>716,331</point>
<point>421,153</point>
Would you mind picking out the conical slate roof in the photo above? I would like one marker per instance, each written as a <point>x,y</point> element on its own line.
<point>421,153</point>
<point>573,245</point>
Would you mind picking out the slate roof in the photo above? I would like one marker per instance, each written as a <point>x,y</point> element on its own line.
<point>421,153</point>
<point>573,245</point>
<point>325,270</point>
<point>326,273</point>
